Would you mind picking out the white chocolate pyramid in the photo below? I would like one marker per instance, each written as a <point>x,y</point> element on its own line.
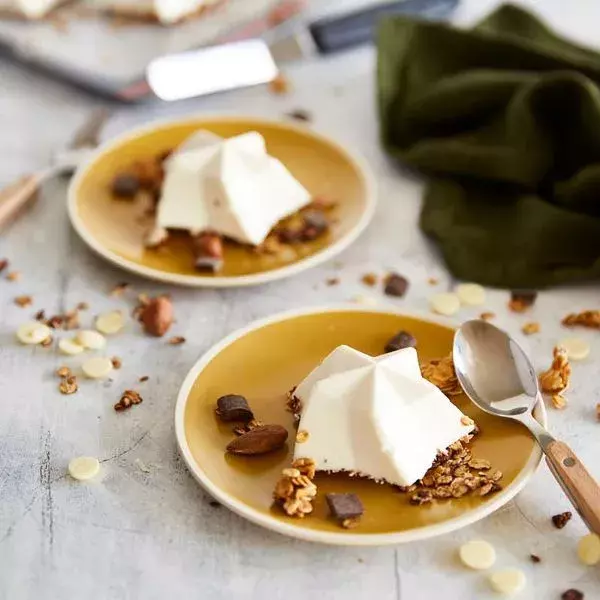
<point>31,9</point>
<point>231,186</point>
<point>167,12</point>
<point>376,417</point>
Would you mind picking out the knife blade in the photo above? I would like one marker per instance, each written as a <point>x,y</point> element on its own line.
<point>255,61</point>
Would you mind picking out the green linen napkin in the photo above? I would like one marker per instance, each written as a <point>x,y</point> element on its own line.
<point>505,120</point>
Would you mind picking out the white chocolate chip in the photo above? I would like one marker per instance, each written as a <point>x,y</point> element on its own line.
<point>588,549</point>
<point>70,346</point>
<point>445,304</point>
<point>97,367</point>
<point>577,349</point>
<point>111,322</point>
<point>91,339</point>
<point>508,581</point>
<point>470,294</point>
<point>477,554</point>
<point>83,468</point>
<point>33,333</point>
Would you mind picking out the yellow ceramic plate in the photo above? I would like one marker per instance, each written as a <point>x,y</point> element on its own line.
<point>116,229</point>
<point>270,357</point>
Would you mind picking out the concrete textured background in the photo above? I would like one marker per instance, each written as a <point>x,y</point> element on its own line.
<point>133,534</point>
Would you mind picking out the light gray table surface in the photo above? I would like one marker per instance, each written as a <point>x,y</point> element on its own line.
<point>138,535</point>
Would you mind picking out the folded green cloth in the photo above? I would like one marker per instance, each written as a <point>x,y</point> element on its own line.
<point>505,120</point>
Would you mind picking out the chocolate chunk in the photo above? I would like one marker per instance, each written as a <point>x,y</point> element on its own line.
<point>125,186</point>
<point>402,339</point>
<point>344,506</point>
<point>395,285</point>
<point>535,558</point>
<point>233,407</point>
<point>572,594</point>
<point>260,440</point>
<point>561,519</point>
<point>208,251</point>
<point>521,300</point>
<point>315,224</point>
<point>215,504</point>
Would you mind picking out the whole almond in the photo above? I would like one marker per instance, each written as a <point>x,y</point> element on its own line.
<point>261,440</point>
<point>157,316</point>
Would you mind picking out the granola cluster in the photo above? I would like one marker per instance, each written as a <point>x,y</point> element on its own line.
<point>296,490</point>
<point>587,318</point>
<point>246,427</point>
<point>441,373</point>
<point>455,474</point>
<point>294,405</point>
<point>556,379</point>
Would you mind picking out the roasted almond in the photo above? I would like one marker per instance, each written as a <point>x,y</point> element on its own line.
<point>261,440</point>
<point>157,316</point>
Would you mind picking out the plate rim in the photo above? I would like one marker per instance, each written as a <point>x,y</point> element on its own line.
<point>360,164</point>
<point>328,537</point>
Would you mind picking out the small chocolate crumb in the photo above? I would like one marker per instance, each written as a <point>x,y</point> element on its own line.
<point>333,281</point>
<point>572,594</point>
<point>63,372</point>
<point>280,85</point>
<point>177,340</point>
<point>116,362</point>
<point>562,519</point>
<point>40,315</point>
<point>535,558</point>
<point>369,279</point>
<point>300,115</point>
<point>125,186</point>
<point>521,300</point>
<point>315,224</point>
<point>403,339</point>
<point>144,378</point>
<point>395,285</point>
<point>433,281</point>
<point>215,504</point>
<point>82,306</point>
<point>233,407</point>
<point>3,264</point>
<point>344,506</point>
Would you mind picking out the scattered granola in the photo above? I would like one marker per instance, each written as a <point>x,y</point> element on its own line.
<point>40,316</point>
<point>280,85</point>
<point>302,436</point>
<point>119,289</point>
<point>294,404</point>
<point>561,519</point>
<point>23,301</point>
<point>143,378</point>
<point>63,372</point>
<point>116,362</point>
<point>441,373</point>
<point>556,378</point>
<point>176,340</point>
<point>246,427</point>
<point>13,276</point>
<point>433,281</point>
<point>520,301</point>
<point>530,328</point>
<point>370,279</point>
<point>295,491</point>
<point>128,399</point>
<point>68,385</point>
<point>487,316</point>
<point>586,318</point>
<point>558,401</point>
<point>82,306</point>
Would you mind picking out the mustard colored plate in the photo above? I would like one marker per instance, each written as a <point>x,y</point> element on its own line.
<point>265,360</point>
<point>115,229</point>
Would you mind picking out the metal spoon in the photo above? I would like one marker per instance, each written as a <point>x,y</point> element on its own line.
<point>499,378</point>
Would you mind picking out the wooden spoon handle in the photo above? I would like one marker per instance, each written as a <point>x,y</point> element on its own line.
<point>583,490</point>
<point>16,196</point>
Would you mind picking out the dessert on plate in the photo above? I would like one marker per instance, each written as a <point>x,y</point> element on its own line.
<point>219,191</point>
<point>29,9</point>
<point>167,12</point>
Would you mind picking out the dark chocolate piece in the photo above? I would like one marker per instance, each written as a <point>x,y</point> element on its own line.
<point>524,297</point>
<point>344,506</point>
<point>395,285</point>
<point>125,186</point>
<point>562,519</point>
<point>234,407</point>
<point>315,224</point>
<point>402,339</point>
<point>535,558</point>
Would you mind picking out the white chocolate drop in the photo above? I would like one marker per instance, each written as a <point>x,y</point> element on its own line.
<point>477,554</point>
<point>97,367</point>
<point>84,468</point>
<point>32,333</point>
<point>445,303</point>
<point>588,549</point>
<point>110,323</point>
<point>577,349</point>
<point>508,581</point>
<point>470,294</point>
<point>91,339</point>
